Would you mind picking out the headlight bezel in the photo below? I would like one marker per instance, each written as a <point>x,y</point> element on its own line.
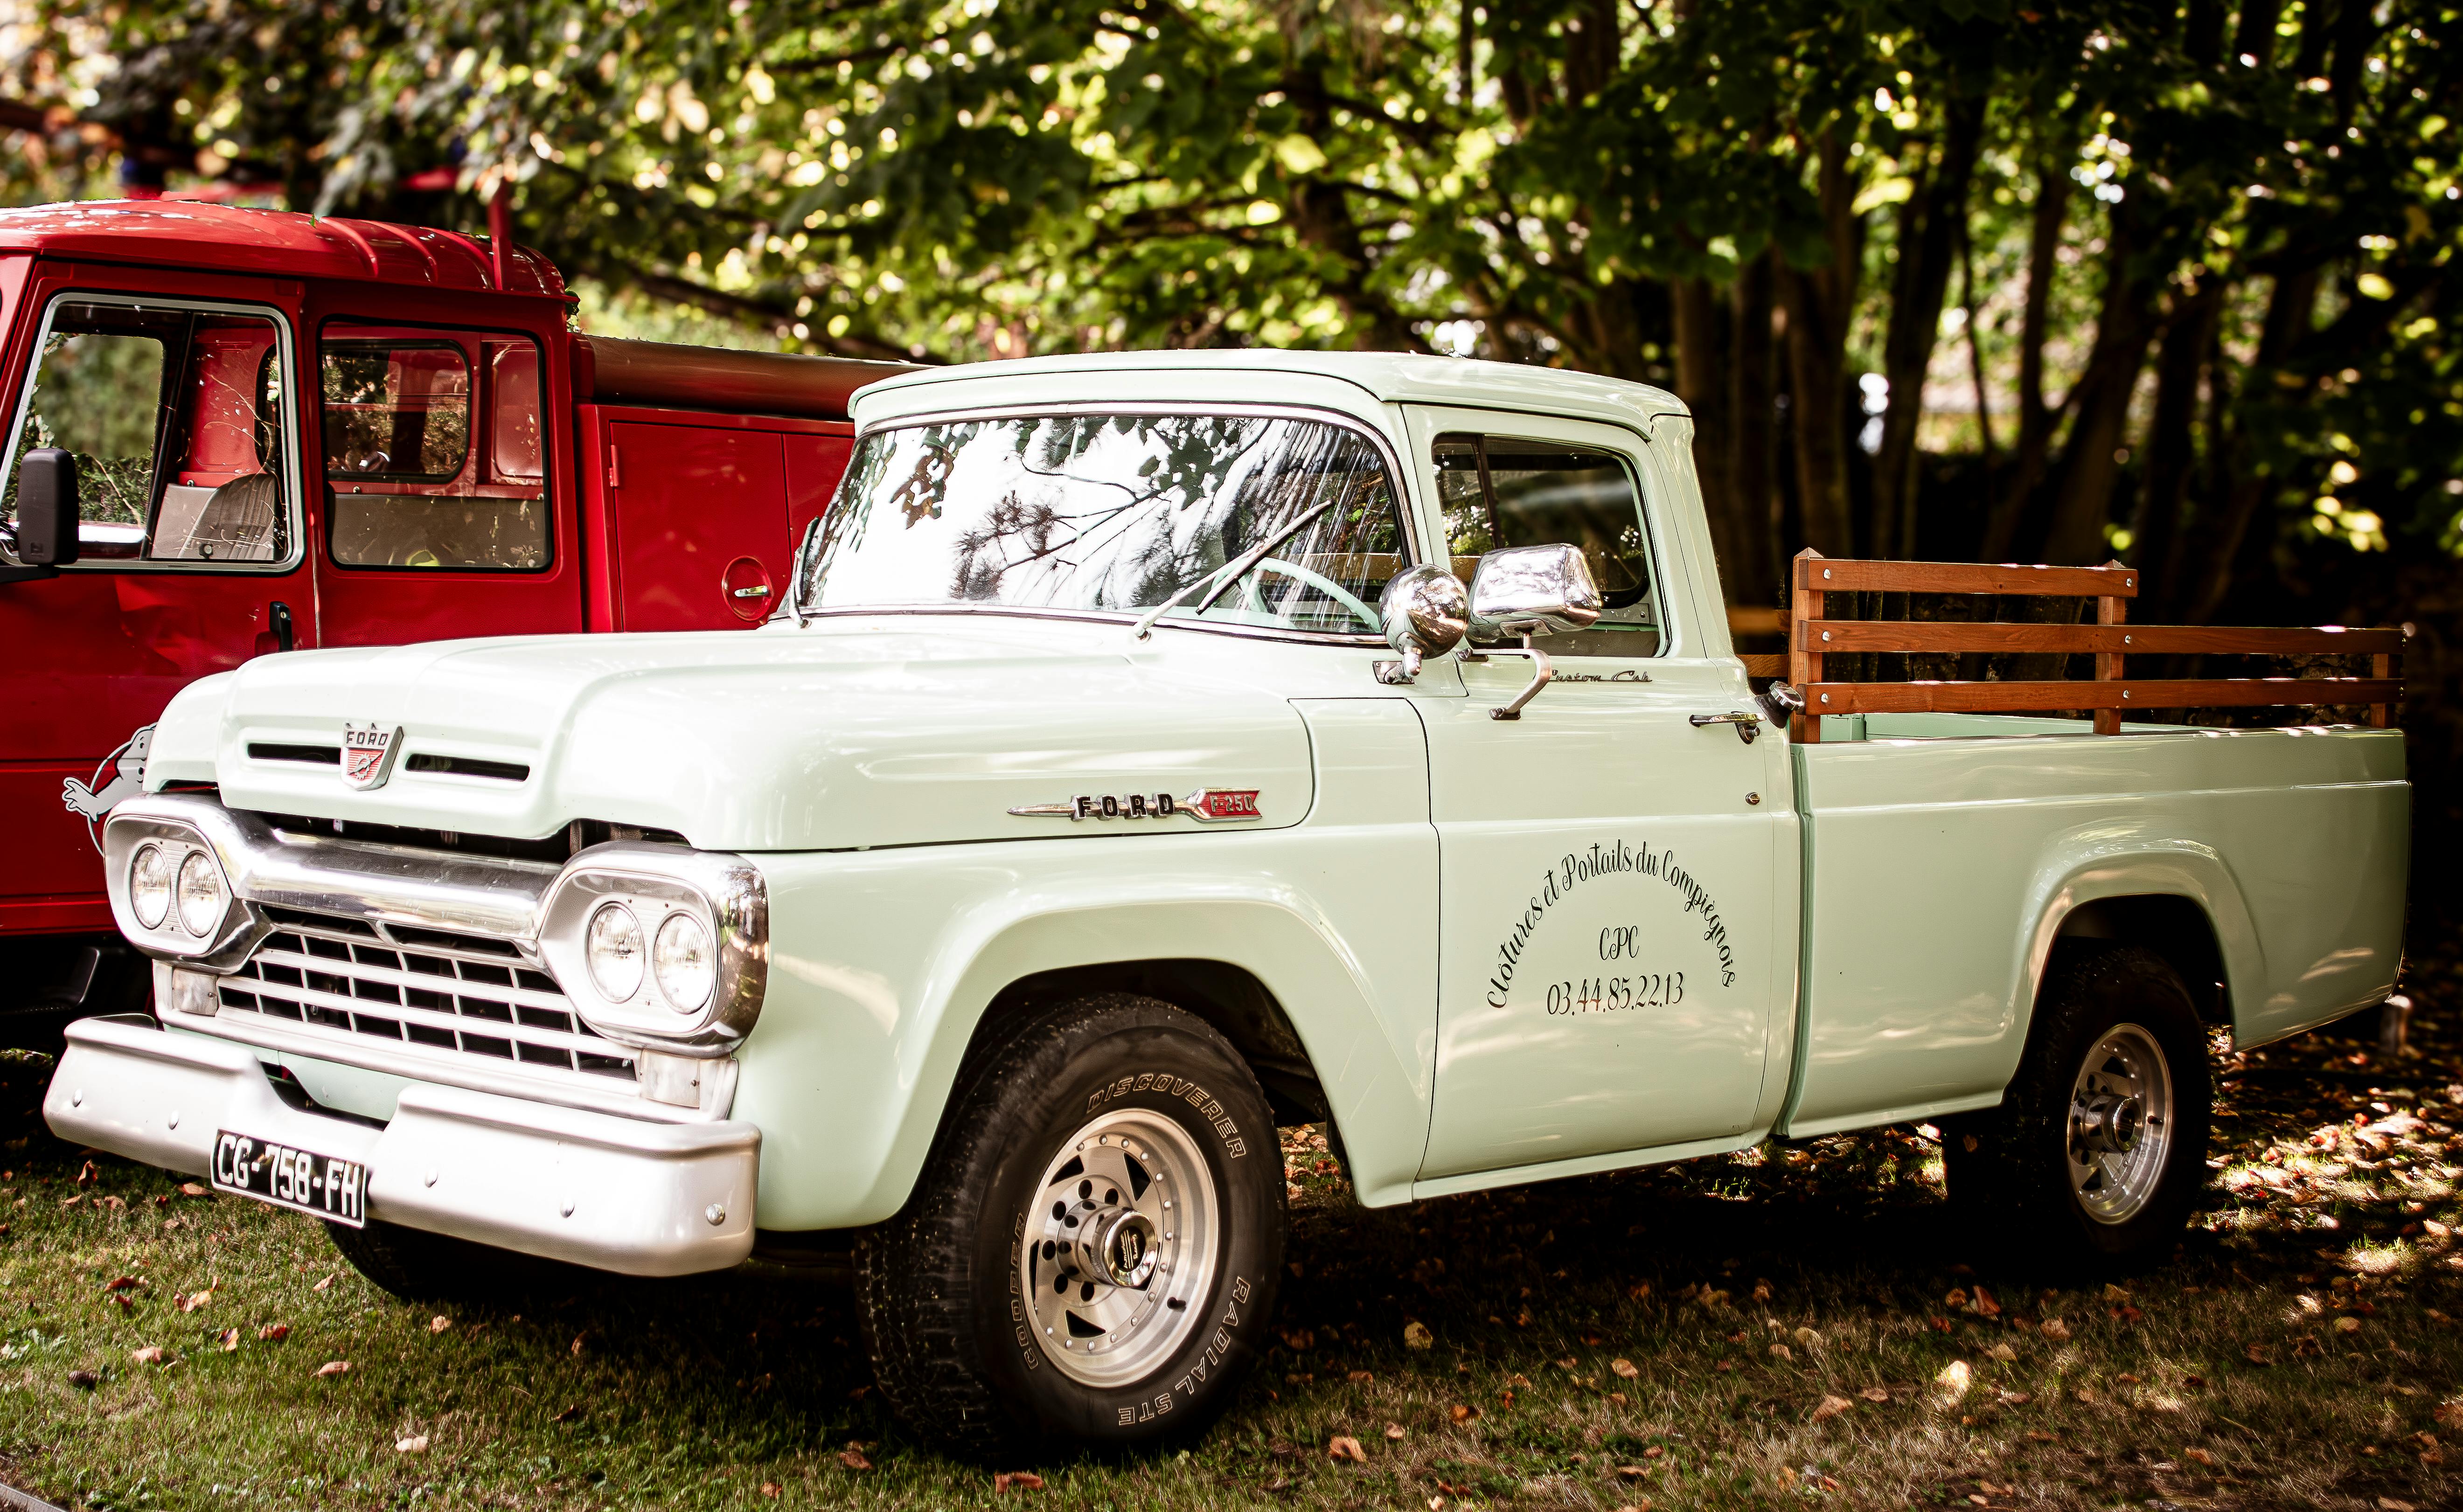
<point>232,928</point>
<point>722,894</point>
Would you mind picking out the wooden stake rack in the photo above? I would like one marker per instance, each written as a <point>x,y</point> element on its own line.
<point>2111,638</point>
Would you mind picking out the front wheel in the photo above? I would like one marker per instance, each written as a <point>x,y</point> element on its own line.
<point>2098,1153</point>
<point>1089,1256</point>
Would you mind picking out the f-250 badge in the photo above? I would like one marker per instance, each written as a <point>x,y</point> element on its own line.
<point>367,753</point>
<point>1207,805</point>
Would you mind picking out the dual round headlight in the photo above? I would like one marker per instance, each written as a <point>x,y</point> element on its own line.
<point>681,957</point>
<point>158,883</point>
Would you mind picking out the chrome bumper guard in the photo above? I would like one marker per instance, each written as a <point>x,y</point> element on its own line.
<point>619,1193</point>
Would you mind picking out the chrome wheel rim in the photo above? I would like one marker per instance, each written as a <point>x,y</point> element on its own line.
<point>1119,1249</point>
<point>2120,1124</point>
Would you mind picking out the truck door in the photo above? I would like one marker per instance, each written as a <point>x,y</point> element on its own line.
<point>440,518</point>
<point>176,397</point>
<point>700,521</point>
<point>1605,870</point>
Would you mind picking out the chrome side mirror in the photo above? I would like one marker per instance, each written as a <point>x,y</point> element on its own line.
<point>1523,591</point>
<point>1426,612</point>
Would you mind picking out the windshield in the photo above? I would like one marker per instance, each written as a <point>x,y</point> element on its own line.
<point>1115,512</point>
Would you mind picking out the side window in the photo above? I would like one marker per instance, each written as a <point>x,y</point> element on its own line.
<point>432,449</point>
<point>1499,491</point>
<point>177,419</point>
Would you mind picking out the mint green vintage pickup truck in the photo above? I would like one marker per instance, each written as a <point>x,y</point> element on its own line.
<point>1153,749</point>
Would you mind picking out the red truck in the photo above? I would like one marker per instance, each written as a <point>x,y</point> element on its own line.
<point>286,431</point>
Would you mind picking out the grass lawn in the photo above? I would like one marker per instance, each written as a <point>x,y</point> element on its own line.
<point>1798,1327</point>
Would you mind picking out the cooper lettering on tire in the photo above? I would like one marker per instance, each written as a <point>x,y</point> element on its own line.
<point>1089,1255</point>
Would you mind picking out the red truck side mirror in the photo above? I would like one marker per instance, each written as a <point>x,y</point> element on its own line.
<point>47,509</point>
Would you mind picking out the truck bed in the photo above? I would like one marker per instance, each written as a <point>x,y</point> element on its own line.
<point>1919,964</point>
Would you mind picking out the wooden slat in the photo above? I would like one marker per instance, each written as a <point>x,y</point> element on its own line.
<point>1841,574</point>
<point>1773,664</point>
<point>2136,641</point>
<point>1944,697</point>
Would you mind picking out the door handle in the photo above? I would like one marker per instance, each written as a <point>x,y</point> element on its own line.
<point>757,591</point>
<point>1748,726</point>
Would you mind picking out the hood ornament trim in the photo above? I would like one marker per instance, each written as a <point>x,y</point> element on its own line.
<point>1205,806</point>
<point>368,751</point>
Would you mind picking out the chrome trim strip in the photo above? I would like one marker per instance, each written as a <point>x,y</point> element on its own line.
<point>427,1063</point>
<point>348,878</point>
<point>1396,475</point>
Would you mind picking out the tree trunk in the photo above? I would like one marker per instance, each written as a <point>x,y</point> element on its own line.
<point>2216,543</point>
<point>1819,301</point>
<point>2034,419</point>
<point>1753,576</point>
<point>2091,462</point>
<point>1701,361</point>
<point>1928,248</point>
<point>2171,444</point>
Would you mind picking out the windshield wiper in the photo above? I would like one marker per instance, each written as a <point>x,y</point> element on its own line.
<point>1230,573</point>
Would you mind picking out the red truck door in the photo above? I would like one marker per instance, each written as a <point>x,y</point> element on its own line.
<point>699,517</point>
<point>177,394</point>
<point>445,505</point>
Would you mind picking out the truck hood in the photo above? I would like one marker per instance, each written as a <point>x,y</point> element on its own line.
<point>919,731</point>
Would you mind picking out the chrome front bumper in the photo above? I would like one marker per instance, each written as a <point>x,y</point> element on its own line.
<point>619,1193</point>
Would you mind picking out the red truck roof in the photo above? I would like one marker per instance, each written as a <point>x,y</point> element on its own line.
<point>605,369</point>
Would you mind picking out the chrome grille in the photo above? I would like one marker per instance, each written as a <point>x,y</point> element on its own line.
<point>462,993</point>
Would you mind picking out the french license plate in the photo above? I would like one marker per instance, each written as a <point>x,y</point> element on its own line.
<point>321,1185</point>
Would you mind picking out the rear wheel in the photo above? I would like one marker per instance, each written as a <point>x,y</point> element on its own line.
<point>2099,1151</point>
<point>1089,1256</point>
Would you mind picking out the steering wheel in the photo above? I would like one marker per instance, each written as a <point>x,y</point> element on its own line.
<point>1323,584</point>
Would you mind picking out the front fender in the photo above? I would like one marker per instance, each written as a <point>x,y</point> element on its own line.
<point>884,964</point>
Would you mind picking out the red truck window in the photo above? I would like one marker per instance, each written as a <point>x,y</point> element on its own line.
<point>432,456</point>
<point>176,416</point>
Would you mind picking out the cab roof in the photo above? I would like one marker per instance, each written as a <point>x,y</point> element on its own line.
<point>237,239</point>
<point>1391,377</point>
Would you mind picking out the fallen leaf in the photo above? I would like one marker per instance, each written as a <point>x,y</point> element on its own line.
<point>2258,1355</point>
<point>1637,1291</point>
<point>2199,1456</point>
<point>1016,1481</point>
<point>576,1342</point>
<point>327,1281</point>
<point>2124,1378</point>
<point>1416,1336</point>
<point>1956,1299</point>
<point>1346,1447</point>
<point>2449,1414</point>
<point>84,1380</point>
<point>1985,1304</point>
<point>86,1175</point>
<point>1296,1338</point>
<point>1875,1393</point>
<point>151,1355</point>
<point>1831,1407</point>
<point>333,1368</point>
<point>854,1460</point>
<point>274,1331</point>
<point>1782,1352</point>
<point>415,1444</point>
<point>230,1341</point>
<point>193,1300</point>
<point>1461,1412</point>
<point>2390,1505</point>
<point>191,1189</point>
<point>2002,1353</point>
<point>1396,1432</point>
<point>2113,1292</point>
<point>1633,1472</point>
<point>439,1324</point>
<point>1626,1369</point>
<point>571,1413</point>
<point>1807,1338</point>
<point>2347,1324</point>
<point>1643,1505</point>
<point>123,1284</point>
<point>2055,1330</point>
<point>1954,1376</point>
<point>771,1489</point>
